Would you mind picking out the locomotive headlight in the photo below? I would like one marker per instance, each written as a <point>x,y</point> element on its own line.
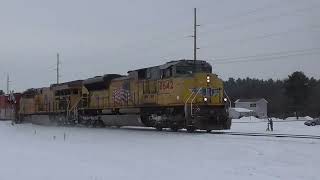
<point>225,99</point>
<point>205,99</point>
<point>208,79</point>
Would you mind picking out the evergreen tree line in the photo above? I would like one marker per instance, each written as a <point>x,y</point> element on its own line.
<point>297,95</point>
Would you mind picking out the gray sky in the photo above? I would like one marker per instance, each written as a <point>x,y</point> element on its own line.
<point>96,37</point>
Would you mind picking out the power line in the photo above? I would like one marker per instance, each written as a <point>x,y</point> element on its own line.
<point>258,55</point>
<point>154,42</point>
<point>266,36</point>
<point>249,12</point>
<point>235,15</point>
<point>271,17</point>
<point>280,57</point>
<point>266,54</point>
<point>265,18</point>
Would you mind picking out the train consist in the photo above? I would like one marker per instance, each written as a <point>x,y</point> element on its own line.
<point>178,94</point>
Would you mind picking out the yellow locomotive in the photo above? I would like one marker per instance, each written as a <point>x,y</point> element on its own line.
<point>178,94</point>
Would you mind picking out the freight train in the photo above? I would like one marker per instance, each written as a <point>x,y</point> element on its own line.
<point>182,94</point>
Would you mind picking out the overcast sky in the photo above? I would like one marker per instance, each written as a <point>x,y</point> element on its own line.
<point>96,37</point>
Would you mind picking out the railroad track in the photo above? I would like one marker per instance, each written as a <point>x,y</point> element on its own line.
<point>298,136</point>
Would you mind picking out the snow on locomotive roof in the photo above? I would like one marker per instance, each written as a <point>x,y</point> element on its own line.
<point>99,79</point>
<point>75,83</point>
<point>100,82</point>
<point>172,63</point>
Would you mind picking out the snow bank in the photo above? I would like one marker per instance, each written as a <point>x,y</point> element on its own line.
<point>242,110</point>
<point>250,119</point>
<point>306,118</point>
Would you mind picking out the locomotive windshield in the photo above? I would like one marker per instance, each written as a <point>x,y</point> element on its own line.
<point>191,68</point>
<point>184,69</point>
<point>172,69</point>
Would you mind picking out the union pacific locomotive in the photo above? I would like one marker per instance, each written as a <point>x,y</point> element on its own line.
<point>182,94</point>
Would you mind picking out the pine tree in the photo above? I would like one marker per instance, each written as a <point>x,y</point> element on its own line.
<point>297,89</point>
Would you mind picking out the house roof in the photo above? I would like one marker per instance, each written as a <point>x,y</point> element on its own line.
<point>251,100</point>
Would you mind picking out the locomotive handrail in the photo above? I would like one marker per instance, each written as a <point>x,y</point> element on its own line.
<point>73,108</point>
<point>194,99</point>
<point>185,105</point>
<point>76,104</point>
<point>68,111</point>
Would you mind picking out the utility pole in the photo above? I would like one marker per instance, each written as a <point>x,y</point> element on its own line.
<point>58,64</point>
<point>195,48</point>
<point>8,84</point>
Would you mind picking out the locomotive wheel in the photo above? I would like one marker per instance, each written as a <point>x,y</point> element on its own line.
<point>100,124</point>
<point>191,129</point>
<point>209,130</point>
<point>227,124</point>
<point>159,128</point>
<point>174,128</point>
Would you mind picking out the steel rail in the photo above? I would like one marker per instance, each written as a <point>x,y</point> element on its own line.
<point>300,136</point>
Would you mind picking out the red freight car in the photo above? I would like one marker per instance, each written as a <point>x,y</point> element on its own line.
<point>9,106</point>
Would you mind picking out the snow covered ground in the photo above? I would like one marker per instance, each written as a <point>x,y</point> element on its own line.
<point>288,126</point>
<point>33,152</point>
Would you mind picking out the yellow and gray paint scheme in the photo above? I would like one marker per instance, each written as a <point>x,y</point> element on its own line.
<point>178,94</point>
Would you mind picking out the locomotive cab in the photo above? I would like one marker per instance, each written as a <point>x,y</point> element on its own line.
<point>204,100</point>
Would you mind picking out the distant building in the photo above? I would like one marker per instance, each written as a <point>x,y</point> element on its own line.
<point>236,113</point>
<point>258,106</point>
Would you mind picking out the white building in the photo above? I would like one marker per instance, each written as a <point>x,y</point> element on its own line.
<point>258,106</point>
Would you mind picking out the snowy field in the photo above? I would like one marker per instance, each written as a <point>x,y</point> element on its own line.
<point>289,126</point>
<point>30,152</point>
